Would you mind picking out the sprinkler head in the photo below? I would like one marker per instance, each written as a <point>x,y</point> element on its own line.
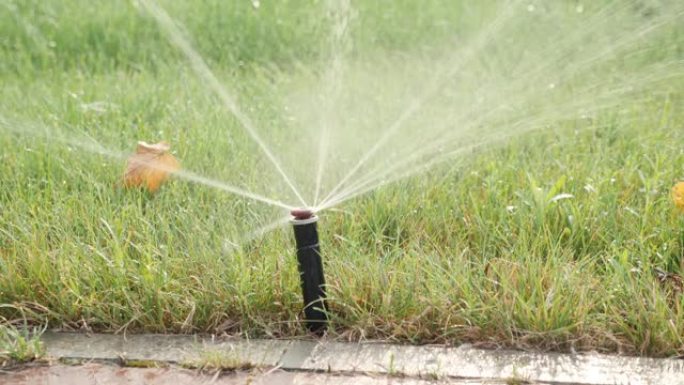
<point>310,267</point>
<point>302,214</point>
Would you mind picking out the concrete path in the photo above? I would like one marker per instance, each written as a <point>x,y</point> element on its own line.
<point>99,374</point>
<point>374,358</point>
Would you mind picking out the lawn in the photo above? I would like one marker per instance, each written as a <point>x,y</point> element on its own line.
<point>524,203</point>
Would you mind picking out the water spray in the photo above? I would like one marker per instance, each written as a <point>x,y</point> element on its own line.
<point>310,269</point>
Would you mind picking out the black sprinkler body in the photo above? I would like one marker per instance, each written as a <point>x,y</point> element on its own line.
<point>310,269</point>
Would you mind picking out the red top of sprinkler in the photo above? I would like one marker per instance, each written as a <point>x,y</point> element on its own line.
<point>301,214</point>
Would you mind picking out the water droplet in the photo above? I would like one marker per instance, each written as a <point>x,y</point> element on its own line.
<point>530,8</point>
<point>579,8</point>
<point>256,4</point>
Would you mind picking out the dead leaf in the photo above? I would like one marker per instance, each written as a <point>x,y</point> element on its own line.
<point>150,166</point>
<point>678,195</point>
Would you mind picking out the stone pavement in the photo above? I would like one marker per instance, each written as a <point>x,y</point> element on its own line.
<point>102,374</point>
<point>381,359</point>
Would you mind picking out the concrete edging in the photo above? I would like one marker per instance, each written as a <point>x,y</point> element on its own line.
<point>381,358</point>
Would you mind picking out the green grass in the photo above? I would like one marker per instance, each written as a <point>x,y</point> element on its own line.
<point>475,250</point>
<point>218,361</point>
<point>19,346</point>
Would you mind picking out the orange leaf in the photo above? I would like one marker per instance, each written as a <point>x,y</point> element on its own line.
<point>150,166</point>
<point>678,195</point>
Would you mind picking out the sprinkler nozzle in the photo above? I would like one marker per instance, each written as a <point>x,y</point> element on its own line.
<point>310,269</point>
<point>302,213</point>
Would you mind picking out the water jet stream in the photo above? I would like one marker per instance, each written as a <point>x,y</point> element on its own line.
<point>425,150</point>
<point>522,126</point>
<point>488,125</point>
<point>92,146</point>
<point>520,88</point>
<point>261,231</point>
<point>416,165</point>
<point>435,85</point>
<point>341,11</point>
<point>201,68</point>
